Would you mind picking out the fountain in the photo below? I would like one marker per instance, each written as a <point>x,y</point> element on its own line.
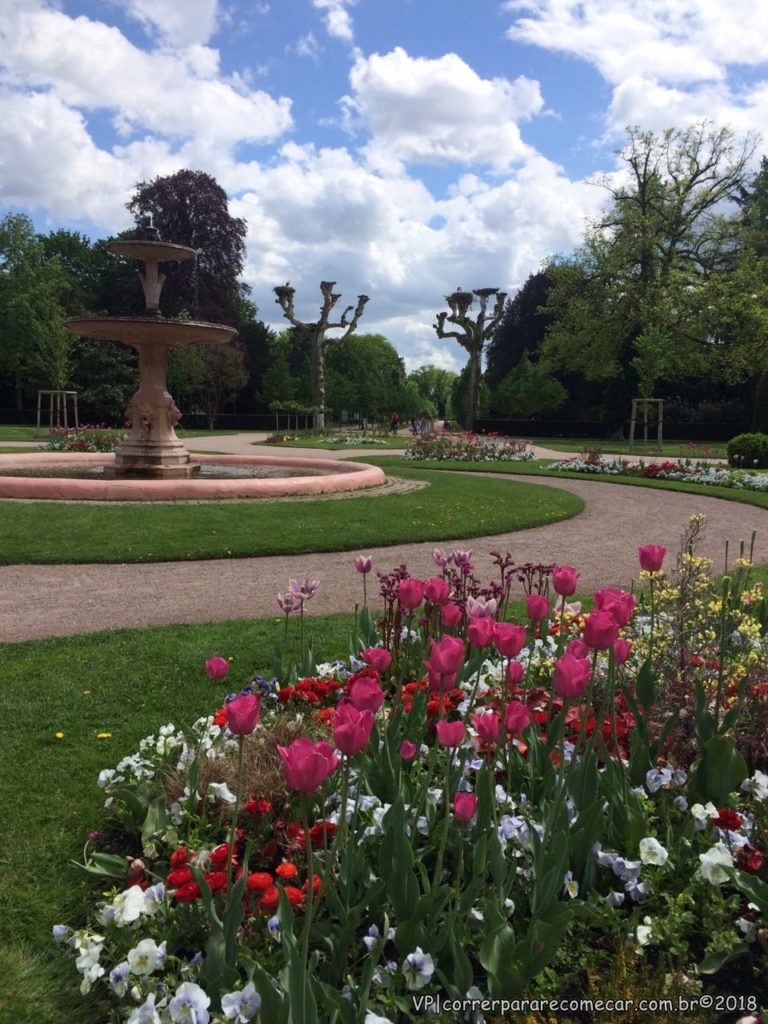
<point>153,464</point>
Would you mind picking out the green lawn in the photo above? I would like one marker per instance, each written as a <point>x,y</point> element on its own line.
<point>450,507</point>
<point>327,444</point>
<point>670,449</point>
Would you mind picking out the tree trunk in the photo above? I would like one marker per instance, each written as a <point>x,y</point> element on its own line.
<point>318,380</point>
<point>473,386</point>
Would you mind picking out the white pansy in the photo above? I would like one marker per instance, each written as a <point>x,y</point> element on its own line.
<point>644,932</point>
<point>418,969</point>
<point>146,957</point>
<point>702,814</point>
<point>713,862</point>
<point>652,852</point>
<point>757,786</point>
<point>241,1006</point>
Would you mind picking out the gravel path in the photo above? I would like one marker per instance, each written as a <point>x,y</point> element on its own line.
<point>62,600</point>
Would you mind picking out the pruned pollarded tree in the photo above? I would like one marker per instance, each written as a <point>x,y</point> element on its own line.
<point>316,333</point>
<point>473,333</point>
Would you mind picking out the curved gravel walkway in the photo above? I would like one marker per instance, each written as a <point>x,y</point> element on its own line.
<point>62,600</point>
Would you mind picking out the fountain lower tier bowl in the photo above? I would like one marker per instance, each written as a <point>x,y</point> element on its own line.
<point>302,476</point>
<point>150,330</point>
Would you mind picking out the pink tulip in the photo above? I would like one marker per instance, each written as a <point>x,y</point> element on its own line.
<point>378,658</point>
<point>601,630</point>
<point>536,607</point>
<point>487,727</point>
<point>243,714</point>
<point>305,591</point>
<point>571,676</point>
<point>410,593</point>
<point>480,632</point>
<point>651,556</point>
<point>365,694</point>
<point>439,558</point>
<point>408,750</point>
<point>363,563</point>
<point>464,806</point>
<point>287,604</point>
<point>515,673</point>
<point>565,579</point>
<point>621,650</point>
<point>439,682</point>
<point>307,765</point>
<point>481,607</point>
<point>577,648</point>
<point>509,639</point>
<point>451,734</point>
<point>446,655</point>
<point>619,603</point>
<point>517,716</point>
<point>216,668</point>
<point>462,560</point>
<point>450,615</point>
<point>437,590</point>
<point>351,728</point>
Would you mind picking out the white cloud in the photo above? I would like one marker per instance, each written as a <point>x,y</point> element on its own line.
<point>338,22</point>
<point>307,46</point>
<point>90,65</point>
<point>421,110</point>
<point>177,24</point>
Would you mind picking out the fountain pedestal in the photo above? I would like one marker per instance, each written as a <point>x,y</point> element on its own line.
<point>152,447</point>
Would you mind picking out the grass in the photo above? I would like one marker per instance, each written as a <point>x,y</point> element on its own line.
<point>670,449</point>
<point>313,441</point>
<point>127,683</point>
<point>450,507</point>
<point>25,432</point>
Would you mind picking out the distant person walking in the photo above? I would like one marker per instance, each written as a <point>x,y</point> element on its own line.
<point>394,423</point>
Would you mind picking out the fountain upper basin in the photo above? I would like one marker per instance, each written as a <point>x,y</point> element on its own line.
<point>329,476</point>
<point>150,330</point>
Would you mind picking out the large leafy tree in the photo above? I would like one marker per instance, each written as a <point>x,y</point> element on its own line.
<point>523,328</point>
<point>435,387</point>
<point>191,208</point>
<point>633,302</point>
<point>366,375</point>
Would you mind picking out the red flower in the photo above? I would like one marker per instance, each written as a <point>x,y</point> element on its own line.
<point>316,884</point>
<point>220,856</point>
<point>256,808</point>
<point>179,877</point>
<point>294,896</point>
<point>269,900</point>
<point>216,880</point>
<point>727,819</point>
<point>259,881</point>
<point>286,870</point>
<point>187,893</point>
<point>180,857</point>
<point>321,832</point>
<point>749,858</point>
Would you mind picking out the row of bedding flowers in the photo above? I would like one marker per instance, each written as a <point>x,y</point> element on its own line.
<point>447,447</point>
<point>698,471</point>
<point>469,809</point>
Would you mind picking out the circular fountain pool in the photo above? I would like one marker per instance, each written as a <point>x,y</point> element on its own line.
<point>91,477</point>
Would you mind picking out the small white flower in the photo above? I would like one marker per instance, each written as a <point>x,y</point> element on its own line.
<point>418,969</point>
<point>757,786</point>
<point>221,791</point>
<point>713,862</point>
<point>241,1006</point>
<point>374,1018</point>
<point>128,905</point>
<point>146,1013</point>
<point>652,852</point>
<point>189,1005</point>
<point>644,932</point>
<point>702,815</point>
<point>146,957</point>
<point>570,885</point>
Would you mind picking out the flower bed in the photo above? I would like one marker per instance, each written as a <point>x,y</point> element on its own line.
<point>468,448</point>
<point>469,809</point>
<point>691,470</point>
<point>91,437</point>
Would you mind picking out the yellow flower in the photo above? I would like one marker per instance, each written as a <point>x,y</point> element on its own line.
<point>59,735</point>
<point>103,735</point>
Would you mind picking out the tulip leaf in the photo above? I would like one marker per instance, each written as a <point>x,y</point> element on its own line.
<point>105,865</point>
<point>274,1007</point>
<point>752,887</point>
<point>716,961</point>
<point>645,687</point>
<point>720,770</point>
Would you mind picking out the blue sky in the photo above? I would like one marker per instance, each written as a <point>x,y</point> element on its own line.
<point>399,147</point>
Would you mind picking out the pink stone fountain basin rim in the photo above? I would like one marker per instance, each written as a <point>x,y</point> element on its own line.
<point>332,476</point>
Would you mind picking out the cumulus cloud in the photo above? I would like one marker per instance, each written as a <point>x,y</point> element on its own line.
<point>338,22</point>
<point>426,111</point>
<point>177,24</point>
<point>90,65</point>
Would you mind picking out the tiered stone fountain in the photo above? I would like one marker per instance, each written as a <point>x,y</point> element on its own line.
<point>153,464</point>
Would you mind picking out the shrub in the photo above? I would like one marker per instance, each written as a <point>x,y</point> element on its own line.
<point>749,451</point>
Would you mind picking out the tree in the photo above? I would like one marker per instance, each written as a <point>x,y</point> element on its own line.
<point>527,390</point>
<point>523,328</point>
<point>314,334</point>
<point>366,375</point>
<point>633,302</point>
<point>434,385</point>
<point>191,208</point>
<point>472,335</point>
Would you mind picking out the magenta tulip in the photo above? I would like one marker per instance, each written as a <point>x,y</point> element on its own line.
<point>451,734</point>
<point>509,639</point>
<point>243,714</point>
<point>439,682</point>
<point>601,630</point>
<point>410,593</point>
<point>450,615</point>
<point>536,607</point>
<point>216,668</point>
<point>515,673</point>
<point>577,648</point>
<point>307,765</point>
<point>619,603</point>
<point>366,695</point>
<point>480,632</point>
<point>571,676</point>
<point>446,655</point>
<point>565,579</point>
<point>363,563</point>
<point>351,728</point>
<point>621,650</point>
<point>437,590</point>
<point>408,750</point>
<point>378,658</point>
<point>464,806</point>
<point>487,727</point>
<point>651,556</point>
<point>517,716</point>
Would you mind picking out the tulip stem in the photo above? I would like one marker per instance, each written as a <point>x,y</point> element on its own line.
<point>235,811</point>
<point>446,822</point>
<point>308,911</point>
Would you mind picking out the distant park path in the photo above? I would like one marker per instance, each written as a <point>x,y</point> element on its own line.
<point>39,601</point>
